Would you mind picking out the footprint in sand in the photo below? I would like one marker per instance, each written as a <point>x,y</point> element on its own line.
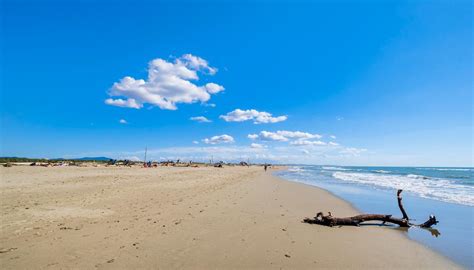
<point>5,250</point>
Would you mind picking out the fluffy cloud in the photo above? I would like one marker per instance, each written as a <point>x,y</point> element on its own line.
<point>307,142</point>
<point>257,146</point>
<point>168,83</point>
<point>195,142</point>
<point>283,136</point>
<point>271,136</point>
<point>200,119</point>
<point>213,88</point>
<point>333,143</point>
<point>252,136</point>
<point>332,137</point>
<point>123,121</point>
<point>129,103</point>
<point>298,135</point>
<point>239,115</point>
<point>219,139</point>
<point>197,63</point>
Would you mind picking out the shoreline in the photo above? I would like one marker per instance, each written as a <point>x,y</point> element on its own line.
<point>450,238</point>
<point>186,218</point>
<point>358,211</point>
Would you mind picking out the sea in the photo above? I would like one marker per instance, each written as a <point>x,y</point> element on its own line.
<point>447,193</point>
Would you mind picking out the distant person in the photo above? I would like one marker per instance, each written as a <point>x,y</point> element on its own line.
<point>265,167</point>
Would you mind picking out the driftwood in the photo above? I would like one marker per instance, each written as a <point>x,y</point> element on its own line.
<point>330,221</point>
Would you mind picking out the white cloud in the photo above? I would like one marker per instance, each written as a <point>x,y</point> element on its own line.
<point>239,115</point>
<point>272,136</point>
<point>129,103</point>
<point>195,142</point>
<point>213,88</point>
<point>200,119</point>
<point>212,105</point>
<point>352,151</point>
<point>168,84</point>
<point>123,121</point>
<point>198,63</point>
<point>332,137</point>
<point>219,139</point>
<point>252,136</point>
<point>333,144</point>
<point>257,146</point>
<point>339,118</point>
<point>306,142</point>
<point>283,135</point>
<point>304,151</point>
<point>298,134</point>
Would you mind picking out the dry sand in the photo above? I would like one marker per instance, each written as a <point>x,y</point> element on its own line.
<point>185,218</point>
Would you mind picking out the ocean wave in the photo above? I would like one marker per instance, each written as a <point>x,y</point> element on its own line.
<point>296,170</point>
<point>416,176</point>
<point>432,188</point>
<point>381,171</point>
<point>328,168</point>
<point>447,169</point>
<point>458,177</point>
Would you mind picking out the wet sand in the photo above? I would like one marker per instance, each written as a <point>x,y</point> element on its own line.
<point>185,218</point>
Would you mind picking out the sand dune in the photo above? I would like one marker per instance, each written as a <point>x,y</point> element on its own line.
<point>184,218</point>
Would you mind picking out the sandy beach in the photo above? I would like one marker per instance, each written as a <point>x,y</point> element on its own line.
<point>185,218</point>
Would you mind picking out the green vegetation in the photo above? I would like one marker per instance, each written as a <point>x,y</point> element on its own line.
<point>44,160</point>
<point>21,159</point>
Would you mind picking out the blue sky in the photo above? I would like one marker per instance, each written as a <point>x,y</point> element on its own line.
<point>391,81</point>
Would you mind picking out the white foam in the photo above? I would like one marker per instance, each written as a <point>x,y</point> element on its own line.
<point>438,189</point>
<point>416,176</point>
<point>298,171</point>
<point>328,168</point>
<point>382,171</point>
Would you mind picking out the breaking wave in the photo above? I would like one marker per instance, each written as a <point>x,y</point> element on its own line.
<point>328,168</point>
<point>426,187</point>
<point>296,169</point>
